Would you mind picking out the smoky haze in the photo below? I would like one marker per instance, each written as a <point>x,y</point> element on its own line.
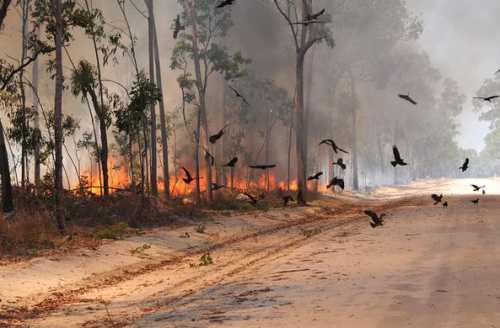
<point>438,51</point>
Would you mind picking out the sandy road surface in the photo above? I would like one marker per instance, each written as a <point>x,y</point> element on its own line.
<point>427,267</point>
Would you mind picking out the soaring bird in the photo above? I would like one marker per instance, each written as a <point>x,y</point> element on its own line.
<point>188,179</point>
<point>210,158</point>
<point>217,186</point>
<point>475,201</point>
<point>213,139</point>
<point>488,99</point>
<point>239,95</point>
<point>465,165</point>
<point>315,16</point>
<point>251,198</point>
<point>178,26</point>
<point>477,188</point>
<point>232,162</point>
<point>332,144</point>
<point>340,162</point>
<point>225,3</point>
<point>408,98</point>
<point>262,167</point>
<point>315,177</point>
<point>445,204</point>
<point>397,158</point>
<point>336,182</point>
<point>287,199</point>
<point>437,198</point>
<point>375,220</point>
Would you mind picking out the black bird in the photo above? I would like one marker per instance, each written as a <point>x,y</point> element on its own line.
<point>315,16</point>
<point>315,177</point>
<point>465,165</point>
<point>475,201</point>
<point>488,99</point>
<point>477,188</point>
<point>287,199</point>
<point>340,162</point>
<point>437,198</point>
<point>484,192</point>
<point>262,167</point>
<point>178,27</point>
<point>375,220</point>
<point>188,179</point>
<point>334,146</point>
<point>213,139</point>
<point>217,186</point>
<point>336,182</point>
<point>232,162</point>
<point>397,158</point>
<point>408,98</point>
<point>251,198</point>
<point>445,204</point>
<point>210,158</point>
<point>225,3</point>
<point>239,95</point>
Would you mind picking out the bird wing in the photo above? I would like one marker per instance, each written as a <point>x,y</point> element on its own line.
<point>188,175</point>
<point>251,197</point>
<point>326,142</point>
<point>371,214</point>
<point>397,156</point>
<point>475,187</point>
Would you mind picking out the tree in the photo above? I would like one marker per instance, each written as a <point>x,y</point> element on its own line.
<point>207,25</point>
<point>305,34</point>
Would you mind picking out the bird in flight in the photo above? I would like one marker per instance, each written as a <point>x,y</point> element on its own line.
<point>216,186</point>
<point>188,179</point>
<point>465,165</point>
<point>475,201</point>
<point>315,177</point>
<point>397,158</point>
<point>340,162</point>
<point>336,182</point>
<point>262,167</point>
<point>488,99</point>
<point>225,3</point>
<point>178,26</point>
<point>477,188</point>
<point>214,138</point>
<point>437,198</point>
<point>287,199</point>
<point>375,220</point>
<point>408,98</point>
<point>232,162</point>
<point>239,95</point>
<point>334,146</point>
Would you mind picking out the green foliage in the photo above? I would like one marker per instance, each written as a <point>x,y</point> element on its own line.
<point>200,228</point>
<point>206,259</point>
<point>116,231</point>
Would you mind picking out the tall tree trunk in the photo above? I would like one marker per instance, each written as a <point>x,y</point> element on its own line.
<point>7,201</point>
<point>163,116</point>
<point>202,117</point>
<point>24,53</point>
<point>58,182</point>
<point>355,173</point>
<point>37,124</point>
<point>151,42</point>
<point>299,129</point>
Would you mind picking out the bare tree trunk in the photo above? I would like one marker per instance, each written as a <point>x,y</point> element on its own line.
<point>355,173</point>
<point>7,201</point>
<point>163,117</point>
<point>299,129</point>
<point>58,183</point>
<point>37,124</point>
<point>151,41</point>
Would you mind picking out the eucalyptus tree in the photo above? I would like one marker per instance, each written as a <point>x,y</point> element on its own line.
<point>199,45</point>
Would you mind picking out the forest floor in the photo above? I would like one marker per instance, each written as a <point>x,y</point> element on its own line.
<point>319,266</point>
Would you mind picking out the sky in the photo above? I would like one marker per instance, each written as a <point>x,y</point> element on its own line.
<point>462,40</point>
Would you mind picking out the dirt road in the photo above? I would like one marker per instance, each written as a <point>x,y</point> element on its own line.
<point>314,267</point>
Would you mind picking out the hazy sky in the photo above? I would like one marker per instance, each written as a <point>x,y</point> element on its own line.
<point>463,41</point>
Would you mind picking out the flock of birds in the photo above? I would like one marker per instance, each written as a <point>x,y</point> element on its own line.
<point>376,220</point>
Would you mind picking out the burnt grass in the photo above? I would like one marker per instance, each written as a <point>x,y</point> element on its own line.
<point>91,219</point>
